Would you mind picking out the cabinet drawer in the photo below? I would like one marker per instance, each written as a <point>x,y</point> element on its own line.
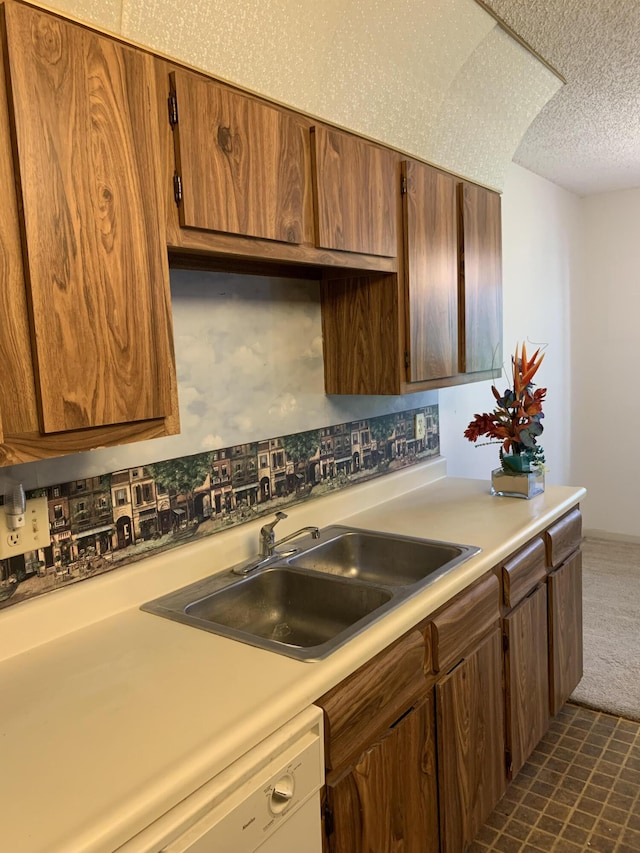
<point>523,572</point>
<point>461,625</point>
<point>367,702</point>
<point>563,537</point>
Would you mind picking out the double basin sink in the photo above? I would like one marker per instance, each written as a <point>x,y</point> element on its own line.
<point>308,602</point>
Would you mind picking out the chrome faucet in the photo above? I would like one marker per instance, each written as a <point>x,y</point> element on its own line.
<point>268,545</point>
<point>268,537</point>
<point>314,531</point>
<point>268,542</point>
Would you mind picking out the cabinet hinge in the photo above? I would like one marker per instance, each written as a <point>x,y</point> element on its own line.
<point>173,109</point>
<point>505,642</point>
<point>403,185</point>
<point>328,820</point>
<point>406,360</point>
<point>507,760</point>
<point>177,188</point>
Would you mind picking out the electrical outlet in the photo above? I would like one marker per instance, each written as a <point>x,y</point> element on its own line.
<point>34,534</point>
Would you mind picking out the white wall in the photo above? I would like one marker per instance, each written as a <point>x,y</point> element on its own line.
<point>572,280</point>
<point>605,360</point>
<point>541,236</point>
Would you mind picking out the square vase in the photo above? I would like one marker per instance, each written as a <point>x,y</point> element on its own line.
<point>513,484</point>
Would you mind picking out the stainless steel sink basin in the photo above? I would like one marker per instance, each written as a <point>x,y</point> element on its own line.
<point>379,557</point>
<point>283,605</point>
<point>311,601</point>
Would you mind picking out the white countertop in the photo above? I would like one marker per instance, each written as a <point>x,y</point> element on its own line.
<point>110,716</point>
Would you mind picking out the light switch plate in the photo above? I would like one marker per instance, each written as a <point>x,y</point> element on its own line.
<point>421,425</point>
<point>34,534</point>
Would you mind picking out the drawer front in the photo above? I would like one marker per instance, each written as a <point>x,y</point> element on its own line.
<point>461,625</point>
<point>367,702</point>
<point>563,537</point>
<point>523,572</point>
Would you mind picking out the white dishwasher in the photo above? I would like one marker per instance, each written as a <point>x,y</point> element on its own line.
<point>267,801</point>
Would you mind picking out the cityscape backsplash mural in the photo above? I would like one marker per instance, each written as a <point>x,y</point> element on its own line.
<point>102,522</point>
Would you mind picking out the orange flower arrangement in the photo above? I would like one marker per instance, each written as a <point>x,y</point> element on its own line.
<point>515,421</point>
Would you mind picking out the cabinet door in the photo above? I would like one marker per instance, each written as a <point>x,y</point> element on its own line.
<point>86,141</point>
<point>526,676</point>
<point>470,734</point>
<point>242,162</point>
<point>370,699</point>
<point>355,194</point>
<point>388,802</point>
<point>431,269</point>
<point>481,280</point>
<point>565,630</point>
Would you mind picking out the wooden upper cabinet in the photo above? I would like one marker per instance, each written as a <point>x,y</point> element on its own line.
<point>480,280</point>
<point>355,193</point>
<point>431,267</point>
<point>86,143</point>
<point>243,164</point>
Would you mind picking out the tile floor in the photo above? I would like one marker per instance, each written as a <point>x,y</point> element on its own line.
<point>579,791</point>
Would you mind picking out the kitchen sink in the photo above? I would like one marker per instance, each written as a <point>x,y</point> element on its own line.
<point>379,557</point>
<point>285,605</point>
<point>313,599</point>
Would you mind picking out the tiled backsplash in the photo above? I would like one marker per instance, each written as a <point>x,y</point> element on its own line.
<point>101,522</point>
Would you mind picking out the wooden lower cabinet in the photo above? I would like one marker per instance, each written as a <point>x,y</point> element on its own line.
<point>565,630</point>
<point>526,677</point>
<point>421,741</point>
<point>387,802</point>
<point>470,735</point>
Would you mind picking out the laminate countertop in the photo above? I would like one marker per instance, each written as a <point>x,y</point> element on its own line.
<point>110,716</point>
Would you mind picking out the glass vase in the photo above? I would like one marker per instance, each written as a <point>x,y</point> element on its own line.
<point>517,484</point>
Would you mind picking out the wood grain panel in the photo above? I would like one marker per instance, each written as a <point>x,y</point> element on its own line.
<point>360,317</point>
<point>18,410</point>
<point>470,726</point>
<point>480,280</point>
<point>234,246</point>
<point>431,270</point>
<point>522,572</point>
<point>388,802</point>
<point>355,193</point>
<point>363,705</point>
<point>29,447</point>
<point>87,145</point>
<point>563,537</point>
<point>464,622</point>
<point>565,630</point>
<point>527,677</point>
<point>242,162</point>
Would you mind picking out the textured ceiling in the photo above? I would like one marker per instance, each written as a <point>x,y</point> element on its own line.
<point>587,137</point>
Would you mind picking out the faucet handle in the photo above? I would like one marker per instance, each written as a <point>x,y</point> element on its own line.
<point>268,528</point>
<point>267,536</point>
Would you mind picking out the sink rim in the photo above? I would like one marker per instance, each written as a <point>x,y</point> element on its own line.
<point>173,605</point>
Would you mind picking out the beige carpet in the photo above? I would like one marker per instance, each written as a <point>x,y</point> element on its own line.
<point>611,599</point>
